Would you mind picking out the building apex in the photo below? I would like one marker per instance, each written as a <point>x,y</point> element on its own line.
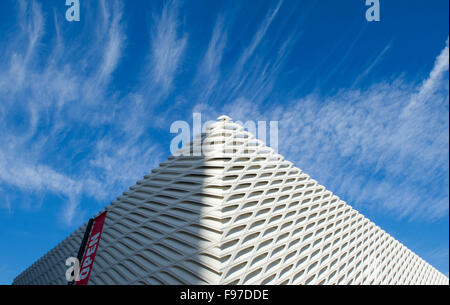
<point>224,118</point>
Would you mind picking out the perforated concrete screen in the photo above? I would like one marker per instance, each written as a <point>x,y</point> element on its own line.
<point>237,214</point>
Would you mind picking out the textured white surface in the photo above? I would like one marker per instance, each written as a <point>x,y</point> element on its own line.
<point>238,214</point>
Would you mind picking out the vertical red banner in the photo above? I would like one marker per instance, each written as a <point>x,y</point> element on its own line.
<point>91,249</point>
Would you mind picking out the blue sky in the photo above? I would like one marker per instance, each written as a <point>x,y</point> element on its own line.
<point>86,107</point>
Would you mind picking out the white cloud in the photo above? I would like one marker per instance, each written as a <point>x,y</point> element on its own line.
<point>377,60</point>
<point>167,47</point>
<point>259,35</point>
<point>54,96</point>
<point>385,147</point>
<point>114,39</point>
<point>388,142</point>
<point>208,73</point>
<point>33,177</point>
<point>120,163</point>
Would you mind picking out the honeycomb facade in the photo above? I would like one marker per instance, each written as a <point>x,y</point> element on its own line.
<point>236,214</point>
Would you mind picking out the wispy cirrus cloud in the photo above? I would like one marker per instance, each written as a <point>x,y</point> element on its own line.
<point>168,45</point>
<point>254,72</point>
<point>113,38</point>
<point>376,61</point>
<point>258,37</point>
<point>31,24</point>
<point>359,142</point>
<point>59,104</point>
<point>208,73</point>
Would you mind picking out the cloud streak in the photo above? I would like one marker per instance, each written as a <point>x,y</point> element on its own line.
<point>168,47</point>
<point>60,105</point>
<point>359,142</point>
<point>356,142</point>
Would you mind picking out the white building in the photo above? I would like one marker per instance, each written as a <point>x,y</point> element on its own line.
<point>238,214</point>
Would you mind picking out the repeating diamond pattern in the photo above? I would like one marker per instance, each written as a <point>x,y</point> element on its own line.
<point>236,214</point>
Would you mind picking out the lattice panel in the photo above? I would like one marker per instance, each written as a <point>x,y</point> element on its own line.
<point>238,214</point>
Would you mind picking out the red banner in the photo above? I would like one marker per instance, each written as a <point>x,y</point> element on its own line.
<point>91,249</point>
